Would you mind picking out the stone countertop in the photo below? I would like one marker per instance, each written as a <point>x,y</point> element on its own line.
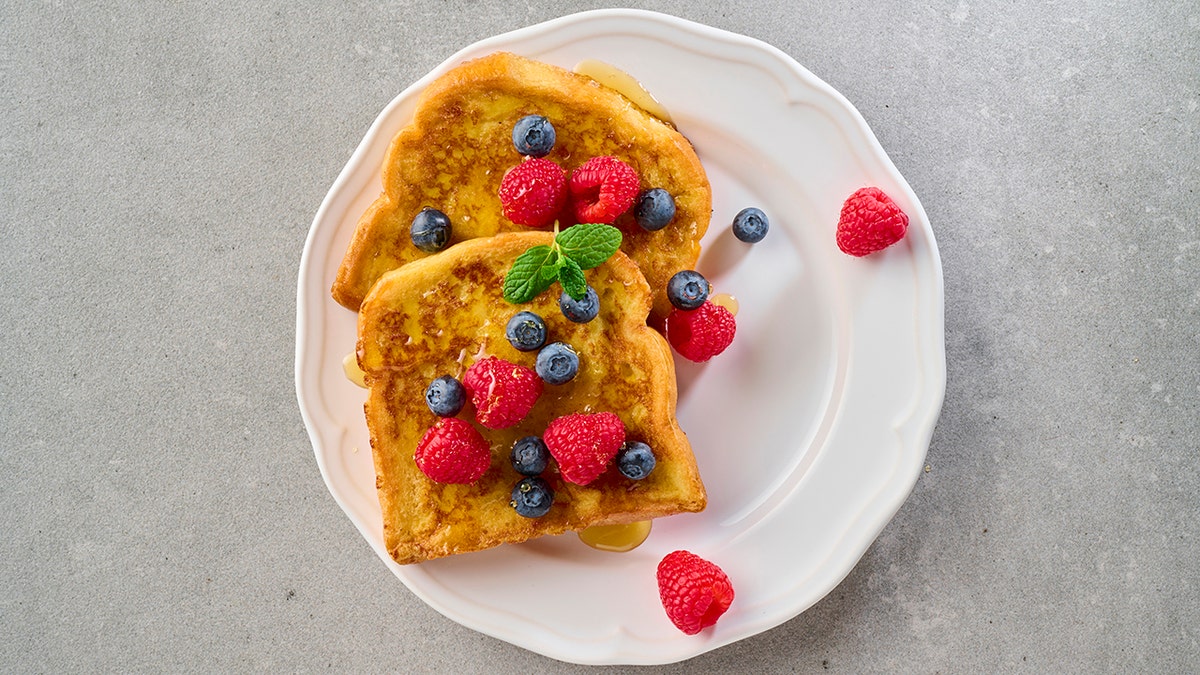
<point>162,165</point>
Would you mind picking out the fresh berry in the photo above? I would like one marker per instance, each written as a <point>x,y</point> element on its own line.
<point>687,289</point>
<point>702,333</point>
<point>583,444</point>
<point>602,188</point>
<point>430,230</point>
<point>654,210</point>
<point>533,192</point>
<point>750,225</point>
<point>557,363</point>
<point>580,311</point>
<point>533,136</point>
<point>453,451</point>
<point>870,222</point>
<point>532,497</point>
<point>694,592</point>
<point>445,396</point>
<point>503,392</point>
<point>529,456</point>
<point>526,331</point>
<point>636,460</point>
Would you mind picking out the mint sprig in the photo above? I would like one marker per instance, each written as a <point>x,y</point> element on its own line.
<point>574,250</point>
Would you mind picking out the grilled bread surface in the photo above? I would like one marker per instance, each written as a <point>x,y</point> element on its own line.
<point>437,316</point>
<point>453,154</point>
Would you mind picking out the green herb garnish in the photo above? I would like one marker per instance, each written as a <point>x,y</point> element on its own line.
<point>572,280</point>
<point>574,250</point>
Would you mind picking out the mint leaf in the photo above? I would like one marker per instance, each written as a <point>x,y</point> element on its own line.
<point>572,280</point>
<point>589,244</point>
<point>550,268</point>
<point>530,274</point>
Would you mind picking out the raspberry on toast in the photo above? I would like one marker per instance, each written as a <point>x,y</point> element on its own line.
<point>441,314</point>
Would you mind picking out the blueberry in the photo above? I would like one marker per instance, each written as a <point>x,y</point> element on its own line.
<point>654,209</point>
<point>529,456</point>
<point>526,331</point>
<point>635,460</point>
<point>445,396</point>
<point>430,230</point>
<point>533,135</point>
<point>750,225</point>
<point>580,311</point>
<point>687,289</point>
<point>557,363</point>
<point>532,497</point>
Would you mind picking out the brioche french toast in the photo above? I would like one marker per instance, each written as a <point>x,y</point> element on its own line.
<point>438,315</point>
<point>456,150</point>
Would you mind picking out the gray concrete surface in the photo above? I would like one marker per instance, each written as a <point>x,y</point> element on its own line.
<point>161,166</point>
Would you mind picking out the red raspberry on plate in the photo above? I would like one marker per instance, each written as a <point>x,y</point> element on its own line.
<point>453,451</point>
<point>702,333</point>
<point>694,592</point>
<point>533,192</point>
<point>503,392</point>
<point>870,222</point>
<point>583,444</point>
<point>602,189</point>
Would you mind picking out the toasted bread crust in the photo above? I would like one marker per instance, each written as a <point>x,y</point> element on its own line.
<point>457,148</point>
<point>439,315</point>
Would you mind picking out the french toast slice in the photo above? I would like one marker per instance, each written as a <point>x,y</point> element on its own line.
<point>457,148</point>
<point>437,316</point>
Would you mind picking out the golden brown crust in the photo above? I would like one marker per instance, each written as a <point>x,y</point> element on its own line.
<point>459,145</point>
<point>439,315</point>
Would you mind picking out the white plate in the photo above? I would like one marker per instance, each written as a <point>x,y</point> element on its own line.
<point>810,431</point>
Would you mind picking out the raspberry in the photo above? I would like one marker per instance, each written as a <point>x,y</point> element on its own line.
<point>694,592</point>
<point>702,333</point>
<point>453,451</point>
<point>583,444</point>
<point>503,392</point>
<point>870,222</point>
<point>602,189</point>
<point>533,192</point>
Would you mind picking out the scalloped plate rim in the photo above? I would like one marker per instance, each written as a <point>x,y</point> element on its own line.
<point>871,521</point>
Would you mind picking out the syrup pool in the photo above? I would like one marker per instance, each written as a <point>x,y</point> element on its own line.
<point>625,84</point>
<point>725,300</point>
<point>617,538</point>
<point>353,372</point>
